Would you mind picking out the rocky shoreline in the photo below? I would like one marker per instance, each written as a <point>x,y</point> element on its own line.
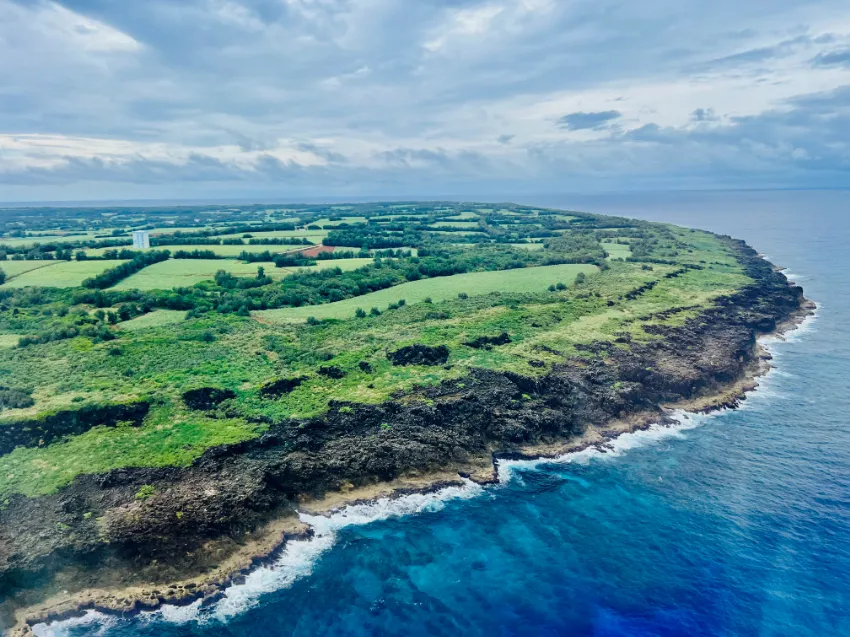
<point>251,491</point>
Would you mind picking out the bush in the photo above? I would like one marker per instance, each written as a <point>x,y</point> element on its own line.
<point>360,313</point>
<point>145,492</point>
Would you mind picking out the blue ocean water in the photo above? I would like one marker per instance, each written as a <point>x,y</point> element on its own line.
<point>736,524</point>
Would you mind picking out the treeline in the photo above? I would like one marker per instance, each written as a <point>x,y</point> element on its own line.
<point>280,241</point>
<point>196,254</point>
<point>371,238</point>
<point>57,250</point>
<point>110,277</point>
<point>173,240</point>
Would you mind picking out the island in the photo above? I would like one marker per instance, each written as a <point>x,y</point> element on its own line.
<point>177,383</point>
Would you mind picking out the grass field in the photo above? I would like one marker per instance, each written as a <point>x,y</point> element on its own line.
<point>315,236</point>
<point>438,289</point>
<point>16,268</point>
<point>617,250</point>
<point>328,223</point>
<point>451,223</point>
<point>25,241</point>
<point>187,272</point>
<point>165,230</point>
<point>61,274</point>
<point>158,318</point>
<point>9,340</point>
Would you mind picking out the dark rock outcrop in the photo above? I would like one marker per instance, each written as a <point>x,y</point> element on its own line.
<point>207,398</point>
<point>46,428</point>
<point>278,388</point>
<point>487,342</point>
<point>419,355</point>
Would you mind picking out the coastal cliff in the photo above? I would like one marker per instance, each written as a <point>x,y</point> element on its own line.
<point>148,526</point>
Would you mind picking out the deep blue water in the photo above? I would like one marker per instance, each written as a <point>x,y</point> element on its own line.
<point>739,525</point>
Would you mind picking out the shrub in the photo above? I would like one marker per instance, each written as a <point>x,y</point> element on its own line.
<point>145,492</point>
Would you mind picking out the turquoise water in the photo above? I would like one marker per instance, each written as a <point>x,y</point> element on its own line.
<point>734,524</point>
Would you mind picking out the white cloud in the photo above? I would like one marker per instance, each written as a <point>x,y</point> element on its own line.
<point>375,92</point>
<point>55,23</point>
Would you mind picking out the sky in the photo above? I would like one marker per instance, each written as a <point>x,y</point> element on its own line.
<point>188,99</point>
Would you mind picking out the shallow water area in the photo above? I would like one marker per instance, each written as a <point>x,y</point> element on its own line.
<point>734,523</point>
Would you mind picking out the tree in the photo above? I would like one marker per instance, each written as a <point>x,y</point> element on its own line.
<point>2,276</point>
<point>261,272</point>
<point>360,313</point>
<point>581,277</point>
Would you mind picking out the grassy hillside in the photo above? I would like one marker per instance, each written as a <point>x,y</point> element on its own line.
<point>62,274</point>
<point>439,289</point>
<point>495,305</point>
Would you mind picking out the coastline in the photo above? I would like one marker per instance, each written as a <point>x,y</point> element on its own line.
<point>269,541</point>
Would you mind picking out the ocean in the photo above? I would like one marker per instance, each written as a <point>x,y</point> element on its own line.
<point>734,523</point>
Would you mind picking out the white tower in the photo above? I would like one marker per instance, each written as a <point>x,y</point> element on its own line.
<point>141,239</point>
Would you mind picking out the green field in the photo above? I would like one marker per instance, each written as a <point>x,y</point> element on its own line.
<point>448,223</point>
<point>8,340</point>
<point>315,236</point>
<point>438,289</point>
<point>16,268</point>
<point>159,318</point>
<point>617,250</point>
<point>61,274</point>
<point>26,241</point>
<point>325,223</point>
<point>186,272</point>
<point>176,273</point>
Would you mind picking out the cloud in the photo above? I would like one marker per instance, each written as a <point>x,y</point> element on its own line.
<point>704,115</point>
<point>833,58</point>
<point>588,121</point>
<point>313,96</point>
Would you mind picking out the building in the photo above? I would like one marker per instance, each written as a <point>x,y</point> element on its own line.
<point>141,239</point>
